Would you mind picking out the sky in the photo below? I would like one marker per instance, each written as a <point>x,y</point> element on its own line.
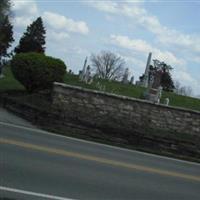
<point>131,29</point>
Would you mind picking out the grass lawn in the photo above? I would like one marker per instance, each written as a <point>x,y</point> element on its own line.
<point>110,86</point>
<point>9,83</point>
<point>135,91</point>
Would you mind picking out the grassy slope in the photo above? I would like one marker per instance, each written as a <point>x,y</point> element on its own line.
<point>110,86</point>
<point>10,83</point>
<point>135,91</point>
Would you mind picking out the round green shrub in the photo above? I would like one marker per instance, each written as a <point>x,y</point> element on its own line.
<point>37,71</point>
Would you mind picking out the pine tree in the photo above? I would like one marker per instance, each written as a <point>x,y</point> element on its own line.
<point>167,82</point>
<point>6,36</point>
<point>4,9</point>
<point>6,30</point>
<point>33,39</point>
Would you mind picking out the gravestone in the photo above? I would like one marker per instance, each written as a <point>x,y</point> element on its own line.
<point>145,81</point>
<point>100,86</point>
<point>83,71</point>
<point>155,90</point>
<point>132,80</point>
<point>87,76</point>
<point>166,102</point>
<point>125,77</point>
<point>1,70</point>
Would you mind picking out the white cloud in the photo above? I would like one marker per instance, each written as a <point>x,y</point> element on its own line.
<point>106,6</point>
<point>22,21</point>
<point>24,12</point>
<point>126,42</point>
<point>184,76</point>
<point>58,22</point>
<point>27,11</point>
<point>135,63</point>
<point>196,59</point>
<point>25,7</point>
<point>142,46</point>
<point>135,11</point>
<point>57,36</point>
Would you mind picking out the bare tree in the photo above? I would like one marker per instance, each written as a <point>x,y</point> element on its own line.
<point>108,65</point>
<point>183,90</point>
<point>177,86</point>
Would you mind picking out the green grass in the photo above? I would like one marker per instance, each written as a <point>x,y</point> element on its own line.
<point>135,91</point>
<point>9,83</point>
<point>110,86</point>
<point>182,101</point>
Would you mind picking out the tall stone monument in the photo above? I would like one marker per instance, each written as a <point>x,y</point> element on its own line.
<point>87,75</point>
<point>145,82</point>
<point>82,74</point>
<point>132,80</point>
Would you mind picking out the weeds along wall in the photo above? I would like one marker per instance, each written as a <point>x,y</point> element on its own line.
<point>124,115</point>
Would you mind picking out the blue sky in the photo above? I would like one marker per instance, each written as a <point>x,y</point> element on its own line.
<point>131,29</point>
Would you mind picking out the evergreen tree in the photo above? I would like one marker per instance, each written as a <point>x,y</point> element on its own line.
<point>167,82</point>
<point>33,39</point>
<point>4,9</point>
<point>6,30</point>
<point>6,36</point>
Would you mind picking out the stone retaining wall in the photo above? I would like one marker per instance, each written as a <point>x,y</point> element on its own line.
<point>123,114</point>
<point>115,120</point>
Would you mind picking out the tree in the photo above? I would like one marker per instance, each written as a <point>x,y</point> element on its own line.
<point>6,37</point>
<point>107,65</point>
<point>6,30</point>
<point>183,90</point>
<point>166,80</point>
<point>36,71</point>
<point>4,9</point>
<point>33,39</point>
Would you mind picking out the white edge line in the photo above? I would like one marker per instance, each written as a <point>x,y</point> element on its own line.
<point>7,189</point>
<point>99,144</point>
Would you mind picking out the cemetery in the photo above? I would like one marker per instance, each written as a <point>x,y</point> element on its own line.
<point>9,83</point>
<point>119,113</point>
<point>103,102</point>
<point>113,119</point>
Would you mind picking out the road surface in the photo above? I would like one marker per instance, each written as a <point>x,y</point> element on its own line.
<point>38,165</point>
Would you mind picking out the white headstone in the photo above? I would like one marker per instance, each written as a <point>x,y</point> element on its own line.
<point>166,102</point>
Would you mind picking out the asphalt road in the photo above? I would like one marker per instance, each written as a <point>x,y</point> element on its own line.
<point>38,165</point>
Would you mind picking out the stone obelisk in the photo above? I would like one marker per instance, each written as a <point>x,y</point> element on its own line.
<point>146,74</point>
<point>83,70</point>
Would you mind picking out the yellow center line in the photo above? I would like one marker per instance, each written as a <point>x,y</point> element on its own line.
<point>99,159</point>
